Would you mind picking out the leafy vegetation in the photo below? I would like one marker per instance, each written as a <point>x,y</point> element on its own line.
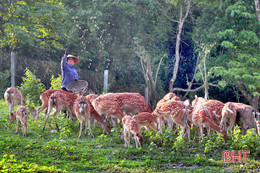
<point>32,87</point>
<point>52,151</point>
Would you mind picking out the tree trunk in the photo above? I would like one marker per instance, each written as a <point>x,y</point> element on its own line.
<point>12,68</point>
<point>177,48</point>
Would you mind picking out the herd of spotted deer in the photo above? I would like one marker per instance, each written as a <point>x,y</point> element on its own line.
<point>170,110</point>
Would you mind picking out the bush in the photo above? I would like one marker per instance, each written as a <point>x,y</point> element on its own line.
<point>55,82</point>
<point>10,164</point>
<point>32,87</point>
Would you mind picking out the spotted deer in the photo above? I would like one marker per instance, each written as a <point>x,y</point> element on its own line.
<point>13,97</point>
<point>167,97</point>
<point>247,117</point>
<point>82,111</point>
<point>228,120</point>
<point>131,126</point>
<point>147,120</point>
<point>96,116</point>
<point>203,116</point>
<point>21,114</point>
<point>92,96</point>
<point>61,100</point>
<point>45,99</point>
<point>175,111</point>
<point>113,104</point>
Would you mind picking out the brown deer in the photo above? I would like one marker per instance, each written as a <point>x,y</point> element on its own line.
<point>167,97</point>
<point>45,99</point>
<point>82,111</point>
<point>177,111</point>
<point>147,120</point>
<point>14,96</point>
<point>113,104</point>
<point>131,126</point>
<point>228,120</point>
<point>111,109</point>
<point>214,107</point>
<point>247,117</point>
<point>61,100</point>
<point>203,115</point>
<point>129,102</point>
<point>96,116</point>
<point>21,114</point>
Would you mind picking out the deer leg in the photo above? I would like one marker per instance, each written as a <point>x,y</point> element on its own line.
<point>114,122</point>
<point>11,108</point>
<point>201,132</point>
<point>136,142</point>
<point>44,105</point>
<point>125,137</point>
<point>88,126</point>
<point>47,117</point>
<point>17,125</point>
<point>129,135</point>
<point>159,119</point>
<point>209,133</point>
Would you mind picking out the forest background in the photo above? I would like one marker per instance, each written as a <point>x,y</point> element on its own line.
<point>209,48</point>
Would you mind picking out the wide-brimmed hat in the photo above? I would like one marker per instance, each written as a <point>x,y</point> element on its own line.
<point>74,57</point>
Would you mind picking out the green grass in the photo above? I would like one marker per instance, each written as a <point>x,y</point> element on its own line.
<point>63,151</point>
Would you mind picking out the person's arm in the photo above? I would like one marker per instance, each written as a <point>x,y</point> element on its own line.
<point>64,59</point>
<point>63,62</point>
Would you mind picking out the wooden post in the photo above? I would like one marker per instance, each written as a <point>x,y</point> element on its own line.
<point>12,69</point>
<point>146,91</point>
<point>105,80</point>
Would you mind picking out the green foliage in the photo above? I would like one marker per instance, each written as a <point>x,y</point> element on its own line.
<point>9,163</point>
<point>31,22</point>
<point>32,87</point>
<point>55,82</point>
<point>4,80</point>
<point>248,142</point>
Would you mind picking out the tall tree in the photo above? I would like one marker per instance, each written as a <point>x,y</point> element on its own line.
<point>180,22</point>
<point>30,23</point>
<point>233,26</point>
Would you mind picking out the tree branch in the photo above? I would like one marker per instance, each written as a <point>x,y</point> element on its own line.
<point>164,12</point>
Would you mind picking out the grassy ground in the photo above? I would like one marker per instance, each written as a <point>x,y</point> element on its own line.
<point>52,151</point>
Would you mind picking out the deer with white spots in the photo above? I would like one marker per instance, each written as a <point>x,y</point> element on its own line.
<point>166,98</point>
<point>228,120</point>
<point>82,111</point>
<point>96,116</point>
<point>21,114</point>
<point>175,111</point>
<point>13,97</point>
<point>203,115</point>
<point>61,100</point>
<point>113,105</point>
<point>131,126</point>
<point>248,117</point>
<point>147,120</point>
<point>45,99</point>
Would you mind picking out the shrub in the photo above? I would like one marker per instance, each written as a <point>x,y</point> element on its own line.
<point>10,164</point>
<point>32,87</point>
<point>55,82</point>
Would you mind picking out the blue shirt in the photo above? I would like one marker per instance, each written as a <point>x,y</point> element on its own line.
<point>68,72</point>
